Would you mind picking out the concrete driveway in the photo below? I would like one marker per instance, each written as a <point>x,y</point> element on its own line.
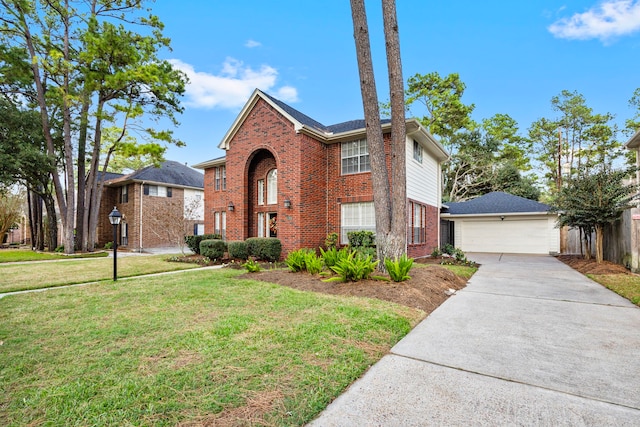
<point>529,341</point>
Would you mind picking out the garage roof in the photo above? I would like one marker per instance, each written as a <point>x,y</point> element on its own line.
<point>496,202</point>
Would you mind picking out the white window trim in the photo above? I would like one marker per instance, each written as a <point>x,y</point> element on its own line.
<point>356,217</point>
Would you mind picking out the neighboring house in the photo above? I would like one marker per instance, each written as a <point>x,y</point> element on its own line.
<point>502,223</point>
<point>288,176</point>
<point>159,206</point>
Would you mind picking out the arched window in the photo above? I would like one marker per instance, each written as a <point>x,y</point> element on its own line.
<point>272,187</point>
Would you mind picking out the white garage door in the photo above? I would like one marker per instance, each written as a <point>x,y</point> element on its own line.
<point>509,236</point>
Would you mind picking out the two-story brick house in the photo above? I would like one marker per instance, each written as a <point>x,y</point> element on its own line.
<point>159,206</point>
<point>287,175</point>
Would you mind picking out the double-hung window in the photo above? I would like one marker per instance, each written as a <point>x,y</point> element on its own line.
<point>417,151</point>
<point>272,187</point>
<point>355,157</point>
<point>356,217</point>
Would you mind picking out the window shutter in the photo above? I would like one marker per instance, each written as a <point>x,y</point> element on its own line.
<point>146,189</point>
<point>169,192</point>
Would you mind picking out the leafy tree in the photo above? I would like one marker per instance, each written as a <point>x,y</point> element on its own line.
<point>10,211</point>
<point>24,161</point>
<point>390,213</point>
<point>512,148</point>
<point>578,138</point>
<point>589,201</point>
<point>469,172</point>
<point>509,179</point>
<point>446,114</point>
<point>88,70</point>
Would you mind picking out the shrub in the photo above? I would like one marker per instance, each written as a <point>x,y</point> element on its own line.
<point>448,249</point>
<point>332,240</point>
<point>238,249</point>
<point>296,260</point>
<point>332,255</point>
<point>193,242</point>
<point>108,245</point>
<point>264,248</point>
<point>353,268</point>
<point>252,266</point>
<point>398,269</point>
<point>361,239</point>
<point>367,251</point>
<point>436,252</point>
<point>213,248</point>
<point>312,262</point>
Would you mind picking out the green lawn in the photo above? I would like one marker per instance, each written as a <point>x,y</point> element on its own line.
<point>33,275</point>
<point>626,285</point>
<point>21,255</point>
<point>199,347</point>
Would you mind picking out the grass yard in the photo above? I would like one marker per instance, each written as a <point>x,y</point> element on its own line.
<point>625,285</point>
<point>195,348</point>
<point>20,255</point>
<point>19,277</point>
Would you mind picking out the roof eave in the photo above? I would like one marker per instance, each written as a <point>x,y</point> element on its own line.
<point>634,141</point>
<point>494,214</point>
<point>210,163</point>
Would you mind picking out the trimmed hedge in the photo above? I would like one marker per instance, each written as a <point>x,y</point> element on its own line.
<point>238,249</point>
<point>193,242</point>
<point>264,248</point>
<point>213,248</point>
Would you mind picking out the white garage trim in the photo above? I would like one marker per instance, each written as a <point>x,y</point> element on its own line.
<point>534,234</point>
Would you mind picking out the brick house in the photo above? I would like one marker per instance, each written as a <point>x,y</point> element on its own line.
<point>286,175</point>
<point>159,206</point>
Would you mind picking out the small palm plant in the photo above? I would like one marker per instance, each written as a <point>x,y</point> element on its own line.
<point>398,269</point>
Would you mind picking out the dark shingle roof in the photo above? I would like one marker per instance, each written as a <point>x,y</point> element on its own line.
<point>108,176</point>
<point>308,121</point>
<point>169,172</point>
<point>496,202</point>
<point>302,118</point>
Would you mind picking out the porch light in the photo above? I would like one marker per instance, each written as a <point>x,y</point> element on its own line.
<point>231,207</point>
<point>287,203</point>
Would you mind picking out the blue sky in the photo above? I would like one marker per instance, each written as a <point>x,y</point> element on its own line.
<point>512,55</point>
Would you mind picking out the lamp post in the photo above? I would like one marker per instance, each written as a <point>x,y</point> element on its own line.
<point>114,219</point>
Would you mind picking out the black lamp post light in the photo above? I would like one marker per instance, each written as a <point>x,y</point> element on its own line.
<point>114,219</point>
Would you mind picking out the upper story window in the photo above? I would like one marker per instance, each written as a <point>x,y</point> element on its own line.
<point>417,151</point>
<point>355,157</point>
<point>124,194</point>
<point>221,178</point>
<point>157,190</point>
<point>272,187</point>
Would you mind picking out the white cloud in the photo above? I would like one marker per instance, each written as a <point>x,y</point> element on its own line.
<point>233,86</point>
<point>252,43</point>
<point>610,19</point>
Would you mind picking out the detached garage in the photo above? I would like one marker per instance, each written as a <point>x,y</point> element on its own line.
<point>503,223</point>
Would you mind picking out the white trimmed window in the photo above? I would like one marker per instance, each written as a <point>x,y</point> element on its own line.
<point>416,234</point>
<point>417,151</point>
<point>356,217</point>
<point>260,224</point>
<point>261,191</point>
<point>157,191</point>
<point>355,157</point>
<point>272,187</point>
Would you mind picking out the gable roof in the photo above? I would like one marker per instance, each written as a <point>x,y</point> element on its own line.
<point>339,132</point>
<point>169,172</point>
<point>497,202</point>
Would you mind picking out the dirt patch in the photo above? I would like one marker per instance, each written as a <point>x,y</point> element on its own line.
<point>584,266</point>
<point>428,287</point>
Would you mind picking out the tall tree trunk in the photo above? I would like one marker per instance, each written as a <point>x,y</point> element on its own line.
<point>52,222</point>
<point>375,141</point>
<point>599,243</point>
<point>398,236</point>
<point>81,223</point>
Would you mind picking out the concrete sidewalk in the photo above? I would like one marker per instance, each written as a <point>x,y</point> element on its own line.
<point>529,341</point>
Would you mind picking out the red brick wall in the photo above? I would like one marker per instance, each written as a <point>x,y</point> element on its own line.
<point>309,175</point>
